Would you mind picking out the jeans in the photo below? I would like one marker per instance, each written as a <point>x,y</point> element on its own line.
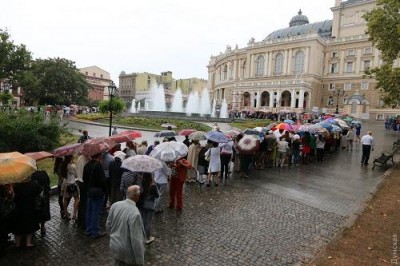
<point>320,154</point>
<point>161,190</point>
<point>93,215</point>
<point>296,156</point>
<point>147,217</point>
<point>225,159</point>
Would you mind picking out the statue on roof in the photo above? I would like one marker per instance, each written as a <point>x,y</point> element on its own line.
<point>251,41</point>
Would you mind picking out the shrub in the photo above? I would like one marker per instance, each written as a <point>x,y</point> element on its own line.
<point>26,132</point>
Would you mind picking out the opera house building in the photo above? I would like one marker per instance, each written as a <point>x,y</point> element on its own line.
<point>306,67</point>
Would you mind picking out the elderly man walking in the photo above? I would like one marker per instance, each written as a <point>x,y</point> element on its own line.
<point>125,227</point>
<point>367,142</point>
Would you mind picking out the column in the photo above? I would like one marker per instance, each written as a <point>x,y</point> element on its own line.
<point>285,62</point>
<point>235,67</point>
<point>266,68</point>
<point>251,100</point>
<point>258,99</point>
<point>307,60</point>
<point>293,99</point>
<point>248,66</point>
<point>301,99</point>
<point>341,63</point>
<point>358,61</point>
<point>269,63</point>
<point>278,98</point>
<point>290,67</point>
<point>251,74</point>
<point>271,98</point>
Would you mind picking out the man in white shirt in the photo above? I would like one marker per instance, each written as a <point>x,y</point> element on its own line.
<point>367,142</point>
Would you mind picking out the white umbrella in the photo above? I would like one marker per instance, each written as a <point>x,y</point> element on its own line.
<point>169,151</point>
<point>142,163</point>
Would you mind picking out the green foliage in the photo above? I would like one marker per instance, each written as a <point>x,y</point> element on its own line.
<point>117,105</point>
<point>384,30</point>
<point>14,59</point>
<point>5,97</point>
<point>55,81</point>
<point>155,123</point>
<point>251,123</point>
<point>26,132</point>
<point>92,116</point>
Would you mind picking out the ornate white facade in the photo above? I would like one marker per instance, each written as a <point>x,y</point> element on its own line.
<point>305,67</point>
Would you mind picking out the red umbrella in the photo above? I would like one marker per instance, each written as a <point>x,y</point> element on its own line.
<point>186,132</point>
<point>125,136</point>
<point>65,150</point>
<point>39,155</point>
<point>249,144</point>
<point>284,126</point>
<point>96,146</point>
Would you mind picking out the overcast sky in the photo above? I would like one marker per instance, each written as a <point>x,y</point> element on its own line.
<point>148,35</point>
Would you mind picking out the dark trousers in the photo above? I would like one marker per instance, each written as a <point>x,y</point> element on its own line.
<point>366,151</point>
<point>82,205</point>
<point>320,154</point>
<point>225,159</point>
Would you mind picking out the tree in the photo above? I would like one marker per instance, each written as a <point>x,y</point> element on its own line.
<point>117,105</point>
<point>5,97</point>
<point>14,59</point>
<point>55,81</point>
<point>383,24</point>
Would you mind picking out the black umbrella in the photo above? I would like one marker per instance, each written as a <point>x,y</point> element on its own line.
<point>165,133</point>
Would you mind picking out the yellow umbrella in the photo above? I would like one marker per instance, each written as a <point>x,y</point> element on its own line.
<point>15,167</point>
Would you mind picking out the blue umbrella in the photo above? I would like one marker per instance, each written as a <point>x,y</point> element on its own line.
<point>336,128</point>
<point>288,121</point>
<point>217,137</point>
<point>356,122</point>
<point>326,125</point>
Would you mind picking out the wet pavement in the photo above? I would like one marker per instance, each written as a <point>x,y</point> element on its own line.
<point>279,216</point>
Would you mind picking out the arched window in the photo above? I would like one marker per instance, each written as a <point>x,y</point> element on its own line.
<point>260,62</point>
<point>299,62</point>
<point>279,64</point>
<point>225,76</point>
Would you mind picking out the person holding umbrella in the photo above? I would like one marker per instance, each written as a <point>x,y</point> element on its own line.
<point>214,168</point>
<point>178,177</point>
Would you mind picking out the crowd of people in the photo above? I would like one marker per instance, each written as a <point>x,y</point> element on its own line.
<point>99,183</point>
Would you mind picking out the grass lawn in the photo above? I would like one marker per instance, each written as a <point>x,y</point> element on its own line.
<point>47,164</point>
<point>251,123</point>
<point>148,123</point>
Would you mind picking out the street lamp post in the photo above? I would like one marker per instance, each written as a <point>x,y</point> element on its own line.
<point>111,90</point>
<point>338,94</point>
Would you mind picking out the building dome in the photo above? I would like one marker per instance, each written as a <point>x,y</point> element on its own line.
<point>298,20</point>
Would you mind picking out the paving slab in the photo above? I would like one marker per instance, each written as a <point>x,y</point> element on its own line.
<point>279,216</point>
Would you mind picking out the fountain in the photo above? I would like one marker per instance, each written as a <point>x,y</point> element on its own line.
<point>205,106</point>
<point>224,110</point>
<point>138,108</point>
<point>213,112</point>
<point>133,106</point>
<point>193,104</point>
<point>177,103</point>
<point>157,99</point>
